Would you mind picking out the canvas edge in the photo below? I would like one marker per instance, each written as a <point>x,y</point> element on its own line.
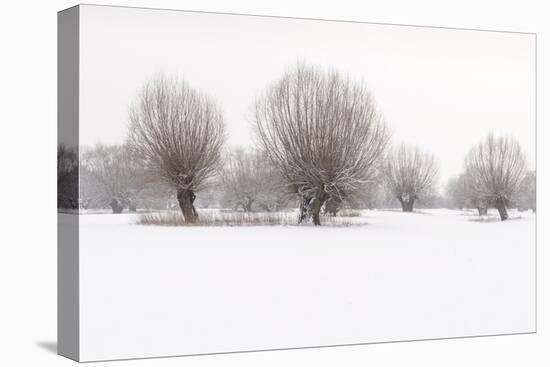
<point>68,315</point>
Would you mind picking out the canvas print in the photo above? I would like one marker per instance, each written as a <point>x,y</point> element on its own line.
<point>236,183</point>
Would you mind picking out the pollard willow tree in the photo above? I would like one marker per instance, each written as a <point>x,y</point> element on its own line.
<point>323,133</point>
<point>409,173</point>
<point>177,132</point>
<point>496,168</point>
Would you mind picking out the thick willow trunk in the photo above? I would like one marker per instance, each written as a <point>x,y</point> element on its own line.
<point>316,209</point>
<point>304,208</point>
<point>500,204</point>
<point>310,206</point>
<point>482,210</point>
<point>186,198</point>
<point>116,206</point>
<point>406,204</point>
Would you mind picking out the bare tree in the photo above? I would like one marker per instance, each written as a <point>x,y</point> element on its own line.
<point>178,133</point>
<point>456,193</point>
<point>410,173</point>
<point>242,178</point>
<point>323,134</point>
<point>495,169</point>
<point>372,197</point>
<point>67,177</point>
<point>275,194</point>
<point>117,176</point>
<point>461,195</point>
<point>250,181</point>
<point>527,196</point>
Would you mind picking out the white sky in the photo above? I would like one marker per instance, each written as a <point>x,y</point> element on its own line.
<point>441,89</point>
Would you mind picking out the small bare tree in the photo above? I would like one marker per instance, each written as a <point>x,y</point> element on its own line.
<point>116,173</point>
<point>495,169</point>
<point>410,173</point>
<point>527,196</point>
<point>456,192</point>
<point>323,134</point>
<point>275,194</point>
<point>178,132</point>
<point>371,197</point>
<point>462,195</point>
<point>250,181</point>
<point>241,177</point>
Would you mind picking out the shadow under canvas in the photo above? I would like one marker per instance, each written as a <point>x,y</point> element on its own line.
<point>49,346</point>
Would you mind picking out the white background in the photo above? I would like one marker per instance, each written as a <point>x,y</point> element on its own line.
<point>28,183</point>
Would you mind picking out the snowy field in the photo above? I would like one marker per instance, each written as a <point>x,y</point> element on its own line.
<point>152,290</point>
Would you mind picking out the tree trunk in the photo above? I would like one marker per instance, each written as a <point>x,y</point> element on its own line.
<point>311,207</point>
<point>402,202</point>
<point>482,210</point>
<point>304,208</point>
<point>410,205</point>
<point>406,205</point>
<point>500,204</point>
<point>186,198</point>
<point>116,206</point>
<point>247,205</point>
<point>316,208</point>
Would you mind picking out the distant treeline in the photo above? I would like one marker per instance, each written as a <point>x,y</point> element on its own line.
<point>321,146</point>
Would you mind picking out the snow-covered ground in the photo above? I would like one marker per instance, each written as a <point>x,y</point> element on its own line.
<point>159,291</point>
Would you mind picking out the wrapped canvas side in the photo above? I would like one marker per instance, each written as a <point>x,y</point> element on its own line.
<point>67,180</point>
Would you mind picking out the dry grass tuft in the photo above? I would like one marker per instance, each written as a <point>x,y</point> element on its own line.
<point>349,213</point>
<point>220,218</point>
